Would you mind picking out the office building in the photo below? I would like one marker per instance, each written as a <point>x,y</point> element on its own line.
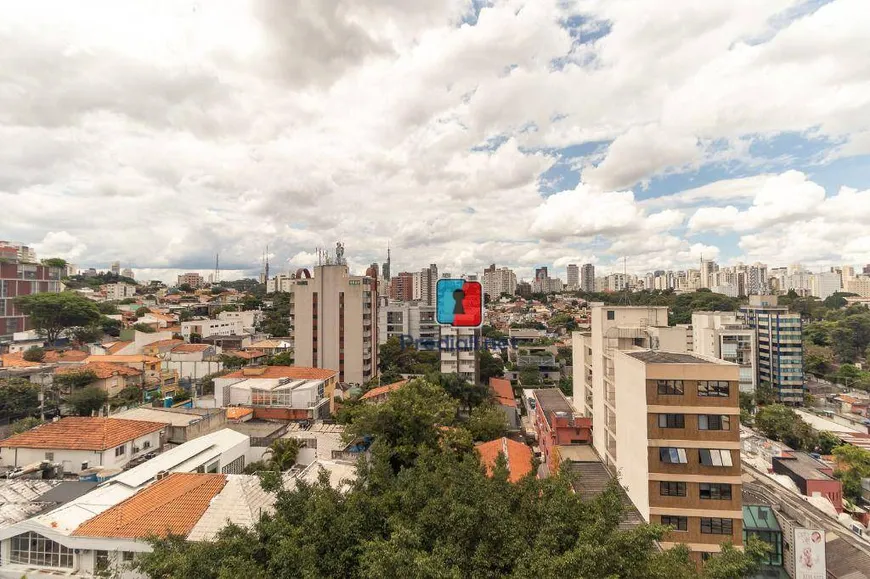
<point>573,275</point>
<point>385,270</point>
<point>407,319</point>
<point>587,278</point>
<point>722,335</point>
<point>20,278</point>
<point>826,284</point>
<point>499,281</point>
<point>546,285</point>
<point>459,352</point>
<point>708,268</point>
<point>779,342</point>
<point>859,285</point>
<point>335,322</point>
<point>756,279</point>
<point>194,280</point>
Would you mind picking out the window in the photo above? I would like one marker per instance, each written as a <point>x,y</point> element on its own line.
<point>127,556</point>
<point>121,450</point>
<point>146,444</point>
<point>716,388</point>
<point>715,457</point>
<point>611,315</point>
<point>715,491</point>
<point>101,560</point>
<point>33,549</point>
<point>672,421</point>
<point>678,523</point>
<point>213,467</point>
<point>673,455</point>
<point>672,489</point>
<point>235,467</point>
<point>714,422</point>
<point>716,526</point>
<point>49,456</point>
<point>671,387</point>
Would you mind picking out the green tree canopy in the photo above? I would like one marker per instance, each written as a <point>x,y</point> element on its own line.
<point>854,465</point>
<point>75,380</point>
<point>490,366</point>
<point>34,354</point>
<point>144,328</point>
<point>87,400</point>
<point>18,397</point>
<point>51,313</point>
<point>781,423</point>
<point>54,262</point>
<point>487,422</point>
<point>282,359</point>
<point>282,453</point>
<point>26,424</point>
<point>232,362</point>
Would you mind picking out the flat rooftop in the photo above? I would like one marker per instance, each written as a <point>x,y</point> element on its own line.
<point>659,357</point>
<point>552,400</point>
<point>803,465</point>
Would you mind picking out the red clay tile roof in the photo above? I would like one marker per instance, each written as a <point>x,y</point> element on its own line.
<point>172,505</point>
<point>246,354</point>
<point>503,392</point>
<point>124,359</point>
<point>374,392</point>
<point>518,455</point>
<point>103,370</point>
<point>191,348</point>
<point>53,356</point>
<point>82,433</point>
<point>170,343</point>
<point>237,412</point>
<point>294,372</point>
<point>117,346</point>
<point>16,360</point>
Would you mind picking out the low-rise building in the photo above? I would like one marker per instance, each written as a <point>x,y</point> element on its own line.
<point>518,457</point>
<point>812,476</point>
<point>248,319</point>
<point>557,425</point>
<point>183,424</point>
<point>110,378</point>
<point>278,392</point>
<point>380,394</point>
<point>80,443</point>
<point>207,328</point>
<point>119,291</point>
<point>503,396</point>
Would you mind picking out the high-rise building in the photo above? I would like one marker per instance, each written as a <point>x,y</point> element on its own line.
<point>192,279</point>
<point>859,285</point>
<point>115,267</point>
<point>428,283</point>
<point>707,269</point>
<point>335,322</point>
<point>21,277</point>
<point>866,270</point>
<point>386,269</point>
<point>779,339</point>
<point>372,271</point>
<point>127,272</point>
<point>524,289</point>
<point>499,281</point>
<point>407,319</point>
<point>825,284</point>
<point>459,352</point>
<point>587,278</point>
<point>402,287</point>
<point>541,273</point>
<point>18,251</point>
<point>756,282</point>
<point>722,335</point>
<point>573,275</point>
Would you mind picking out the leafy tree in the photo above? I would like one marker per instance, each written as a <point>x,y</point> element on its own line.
<point>835,301</point>
<point>140,312</point>
<point>817,360</point>
<point>87,400</point>
<point>34,354</point>
<point>490,366</point>
<point>109,308</point>
<point>26,424</point>
<point>257,466</point>
<point>206,383</point>
<point>492,333</point>
<point>128,301</point>
<point>781,423</point>
<point>128,396</point>
<point>54,262</point>
<point>487,422</point>
<point>87,334</point>
<point>566,385</point>
<point>185,287</point>
<point>144,328</point>
<point>282,453</point>
<point>565,354</point>
<point>853,465</point>
<point>828,442</point>
<point>765,394</point>
<point>733,563</point>
<point>530,377</point>
<point>467,394</point>
<point>843,343</point>
<point>747,402</point>
<point>51,313</point>
<point>110,326</point>
<point>232,362</point>
<point>18,397</point>
<point>282,359</point>
<point>74,380</point>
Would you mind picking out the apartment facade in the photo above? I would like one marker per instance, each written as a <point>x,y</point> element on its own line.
<point>779,336</point>
<point>20,278</point>
<point>573,276</point>
<point>587,278</point>
<point>407,319</point>
<point>335,322</point>
<point>499,281</point>
<point>677,445</point>
<point>120,291</point>
<point>723,335</point>
<point>191,279</point>
<point>459,352</point>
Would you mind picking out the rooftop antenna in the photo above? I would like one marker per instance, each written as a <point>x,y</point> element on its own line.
<point>625,298</point>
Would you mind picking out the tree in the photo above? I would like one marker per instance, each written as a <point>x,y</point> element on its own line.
<point>490,366</point>
<point>185,287</point>
<point>467,394</point>
<point>282,453</point>
<point>530,376</point>
<point>733,563</point>
<point>87,334</point>
<point>71,381</point>
<point>140,312</point>
<point>54,262</point>
<point>51,313</point>
<point>566,385</point>
<point>206,383</point>
<point>282,359</point>
<point>487,422</point>
<point>853,464</point>
<point>128,396</point>
<point>828,442</point>
<point>765,394</point>
<point>110,326</point>
<point>232,362</point>
<point>843,343</point>
<point>781,423</point>
<point>87,400</point>
<point>144,328</point>
<point>26,424</point>
<point>18,397</point>
<point>108,308</point>
<point>34,354</point>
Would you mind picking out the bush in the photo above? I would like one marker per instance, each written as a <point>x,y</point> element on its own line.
<point>34,354</point>
<point>87,400</point>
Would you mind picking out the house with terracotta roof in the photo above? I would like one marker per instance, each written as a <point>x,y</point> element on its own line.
<point>110,378</point>
<point>80,443</point>
<point>517,455</point>
<point>249,356</point>
<point>150,366</point>
<point>160,347</point>
<point>273,346</point>
<point>503,396</point>
<point>193,361</point>
<point>380,394</point>
<point>278,392</point>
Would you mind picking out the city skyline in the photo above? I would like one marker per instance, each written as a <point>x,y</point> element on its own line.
<point>193,142</point>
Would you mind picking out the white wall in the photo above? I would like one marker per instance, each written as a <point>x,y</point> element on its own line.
<point>631,430</point>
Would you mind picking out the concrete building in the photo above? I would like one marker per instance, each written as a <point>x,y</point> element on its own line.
<point>335,322</point>
<point>826,284</point>
<point>722,335</point>
<point>587,278</point>
<point>18,277</point>
<point>557,425</point>
<point>499,281</point>
<point>428,281</point>
<point>409,319</point>
<point>192,279</point>
<point>459,352</point>
<point>248,319</point>
<point>18,252</point>
<point>115,268</point>
<point>858,285</point>
<point>812,476</point>
<point>573,276</point>
<point>402,287</point>
<point>677,444</point>
<point>779,339</point>
<point>756,279</point>
<point>708,268</point>
<point>127,272</point>
<point>119,291</point>
<point>207,328</point>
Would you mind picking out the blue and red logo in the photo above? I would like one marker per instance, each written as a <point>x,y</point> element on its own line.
<point>459,303</point>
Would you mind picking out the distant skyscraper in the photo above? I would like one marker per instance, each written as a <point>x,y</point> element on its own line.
<point>373,270</point>
<point>573,276</point>
<point>587,278</point>
<point>499,281</point>
<point>541,273</point>
<point>127,272</point>
<point>402,287</point>
<point>867,269</point>
<point>428,281</point>
<point>115,268</point>
<point>386,268</point>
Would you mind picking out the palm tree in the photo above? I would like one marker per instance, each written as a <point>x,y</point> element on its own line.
<point>282,453</point>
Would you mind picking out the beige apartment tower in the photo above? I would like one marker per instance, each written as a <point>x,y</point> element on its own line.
<point>335,322</point>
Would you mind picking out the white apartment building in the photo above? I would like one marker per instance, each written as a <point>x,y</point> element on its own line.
<point>459,352</point>
<point>335,322</point>
<point>248,319</point>
<point>499,281</point>
<point>428,281</point>
<point>546,285</point>
<point>859,285</point>
<point>206,328</point>
<point>407,319</point>
<point>587,278</point>
<point>119,291</point>
<point>826,284</point>
<point>723,335</point>
<point>192,279</point>
<point>573,276</point>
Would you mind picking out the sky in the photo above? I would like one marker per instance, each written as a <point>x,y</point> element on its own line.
<point>625,133</point>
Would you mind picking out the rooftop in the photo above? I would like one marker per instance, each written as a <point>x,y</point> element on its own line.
<point>592,479</point>
<point>518,455</point>
<point>102,370</point>
<point>159,415</point>
<point>375,392</point>
<point>172,505</point>
<point>55,356</point>
<point>659,357</point>
<point>241,501</point>
<point>272,372</point>
<point>759,518</point>
<point>552,400</point>
<point>803,465</point>
<point>112,347</point>
<point>502,391</point>
<point>82,433</point>
<point>246,354</point>
<point>124,359</point>
<point>190,348</point>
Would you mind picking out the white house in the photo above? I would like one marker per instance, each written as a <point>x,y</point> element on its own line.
<point>206,328</point>
<point>119,291</point>
<point>248,319</point>
<point>80,443</point>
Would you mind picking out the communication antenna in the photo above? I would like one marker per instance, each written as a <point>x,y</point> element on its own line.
<point>625,298</point>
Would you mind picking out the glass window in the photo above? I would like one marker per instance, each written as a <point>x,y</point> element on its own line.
<point>121,450</point>
<point>678,523</point>
<point>714,422</point>
<point>34,549</point>
<point>716,388</point>
<point>672,489</point>
<point>672,455</point>
<point>127,556</point>
<point>716,526</point>
<point>715,457</point>
<point>670,387</point>
<point>715,491</point>
<point>101,560</point>
<point>672,421</point>
<point>611,315</point>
